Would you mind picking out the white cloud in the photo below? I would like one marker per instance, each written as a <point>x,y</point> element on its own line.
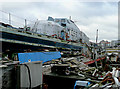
<point>58,0</point>
<point>107,26</point>
<point>89,16</point>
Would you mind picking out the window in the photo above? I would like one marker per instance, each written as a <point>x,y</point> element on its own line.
<point>57,20</point>
<point>68,29</point>
<point>62,20</point>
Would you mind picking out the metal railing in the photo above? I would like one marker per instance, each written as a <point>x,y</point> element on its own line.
<point>14,20</point>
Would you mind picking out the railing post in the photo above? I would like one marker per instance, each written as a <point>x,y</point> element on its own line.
<point>25,24</point>
<point>9,19</point>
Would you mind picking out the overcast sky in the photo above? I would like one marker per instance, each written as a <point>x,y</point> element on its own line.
<point>89,16</point>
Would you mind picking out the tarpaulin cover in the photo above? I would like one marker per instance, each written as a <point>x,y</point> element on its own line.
<point>38,56</point>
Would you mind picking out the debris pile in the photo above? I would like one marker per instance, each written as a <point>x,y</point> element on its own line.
<point>105,76</point>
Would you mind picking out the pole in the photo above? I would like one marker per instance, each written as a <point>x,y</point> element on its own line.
<point>9,19</point>
<point>95,56</point>
<point>96,36</point>
<point>25,24</point>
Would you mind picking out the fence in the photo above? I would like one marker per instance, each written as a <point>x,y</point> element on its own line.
<point>14,20</point>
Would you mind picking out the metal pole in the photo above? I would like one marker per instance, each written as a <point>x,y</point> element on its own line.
<point>95,56</point>
<point>25,24</point>
<point>96,36</point>
<point>9,19</point>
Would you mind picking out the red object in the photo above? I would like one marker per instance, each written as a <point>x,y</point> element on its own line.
<point>90,62</point>
<point>98,59</point>
<point>68,40</point>
<point>54,35</point>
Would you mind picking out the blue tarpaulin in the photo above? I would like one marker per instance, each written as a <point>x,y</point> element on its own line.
<point>38,56</point>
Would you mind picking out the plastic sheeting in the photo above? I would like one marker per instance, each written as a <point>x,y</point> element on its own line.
<point>38,56</point>
<point>46,28</point>
<point>50,28</point>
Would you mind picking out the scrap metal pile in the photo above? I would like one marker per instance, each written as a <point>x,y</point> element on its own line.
<point>105,76</point>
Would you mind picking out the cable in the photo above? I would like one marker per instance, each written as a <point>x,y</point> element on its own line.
<point>29,75</point>
<point>16,16</point>
<point>4,12</point>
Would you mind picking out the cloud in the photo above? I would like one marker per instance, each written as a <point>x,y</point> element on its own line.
<point>107,26</point>
<point>89,16</point>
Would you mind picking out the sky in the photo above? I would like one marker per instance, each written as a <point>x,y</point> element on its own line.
<point>87,15</point>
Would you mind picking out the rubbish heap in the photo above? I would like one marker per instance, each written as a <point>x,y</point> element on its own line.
<point>106,76</point>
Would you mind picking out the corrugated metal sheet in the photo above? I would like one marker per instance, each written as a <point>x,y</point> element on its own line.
<point>35,73</point>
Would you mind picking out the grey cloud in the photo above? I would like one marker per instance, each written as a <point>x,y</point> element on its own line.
<point>89,15</point>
